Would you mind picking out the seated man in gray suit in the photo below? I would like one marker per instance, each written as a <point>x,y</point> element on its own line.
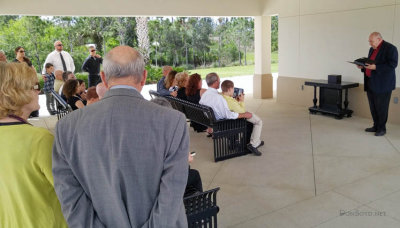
<point>136,175</point>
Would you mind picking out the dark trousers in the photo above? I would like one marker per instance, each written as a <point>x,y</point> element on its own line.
<point>34,114</point>
<point>194,183</point>
<point>379,106</point>
<point>50,103</point>
<point>93,80</point>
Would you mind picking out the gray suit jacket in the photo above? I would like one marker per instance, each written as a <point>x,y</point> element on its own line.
<point>122,162</point>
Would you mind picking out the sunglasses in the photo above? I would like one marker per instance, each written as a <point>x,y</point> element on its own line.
<point>21,51</point>
<point>60,45</point>
<point>92,50</point>
<point>36,87</point>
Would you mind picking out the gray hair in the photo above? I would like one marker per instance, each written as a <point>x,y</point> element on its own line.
<point>377,34</point>
<point>2,52</point>
<point>211,78</point>
<point>116,69</point>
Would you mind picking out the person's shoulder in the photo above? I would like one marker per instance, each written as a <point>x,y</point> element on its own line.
<point>40,132</point>
<point>161,111</point>
<point>390,45</point>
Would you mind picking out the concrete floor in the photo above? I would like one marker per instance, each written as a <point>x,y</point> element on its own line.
<point>312,169</point>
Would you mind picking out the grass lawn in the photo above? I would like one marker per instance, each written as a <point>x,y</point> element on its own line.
<point>236,70</point>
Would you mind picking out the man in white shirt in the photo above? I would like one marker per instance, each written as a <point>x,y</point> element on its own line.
<point>60,59</point>
<point>219,105</point>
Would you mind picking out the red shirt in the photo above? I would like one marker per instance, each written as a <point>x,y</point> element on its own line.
<point>372,57</point>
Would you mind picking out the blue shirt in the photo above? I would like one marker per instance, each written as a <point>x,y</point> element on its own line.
<point>161,87</point>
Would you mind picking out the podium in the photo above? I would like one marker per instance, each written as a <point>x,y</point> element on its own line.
<point>331,98</point>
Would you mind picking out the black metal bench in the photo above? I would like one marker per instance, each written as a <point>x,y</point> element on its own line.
<point>229,136</point>
<point>62,107</point>
<point>201,209</point>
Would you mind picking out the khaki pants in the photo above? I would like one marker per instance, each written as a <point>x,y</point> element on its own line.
<point>256,133</point>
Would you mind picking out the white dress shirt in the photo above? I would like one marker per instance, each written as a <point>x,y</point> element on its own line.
<point>55,59</point>
<point>219,105</point>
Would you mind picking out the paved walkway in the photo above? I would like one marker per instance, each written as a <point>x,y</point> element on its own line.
<point>315,171</point>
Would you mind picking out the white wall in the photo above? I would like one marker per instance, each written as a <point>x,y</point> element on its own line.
<point>317,37</point>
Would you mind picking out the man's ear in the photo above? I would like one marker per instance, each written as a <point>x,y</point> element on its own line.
<point>143,82</point>
<point>103,79</point>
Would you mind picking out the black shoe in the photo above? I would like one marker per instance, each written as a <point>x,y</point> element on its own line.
<point>52,113</point>
<point>253,150</point>
<point>380,133</point>
<point>370,129</point>
<point>261,144</point>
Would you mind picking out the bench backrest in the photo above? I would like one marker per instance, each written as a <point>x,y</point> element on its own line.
<point>201,209</point>
<point>62,106</point>
<point>196,112</point>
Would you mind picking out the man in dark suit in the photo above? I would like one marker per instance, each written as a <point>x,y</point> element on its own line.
<point>92,66</point>
<point>380,80</point>
<point>122,162</point>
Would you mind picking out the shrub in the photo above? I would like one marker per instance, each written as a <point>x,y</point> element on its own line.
<point>84,77</point>
<point>154,74</point>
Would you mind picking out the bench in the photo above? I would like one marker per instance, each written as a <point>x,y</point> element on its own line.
<point>201,209</point>
<point>229,136</point>
<point>62,107</point>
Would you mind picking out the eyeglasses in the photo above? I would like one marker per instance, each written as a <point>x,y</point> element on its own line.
<point>36,87</point>
<point>60,45</point>
<point>22,51</point>
<point>92,50</point>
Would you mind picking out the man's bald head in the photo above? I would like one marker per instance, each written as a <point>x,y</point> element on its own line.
<point>58,45</point>
<point>375,39</point>
<point>123,61</point>
<point>101,90</point>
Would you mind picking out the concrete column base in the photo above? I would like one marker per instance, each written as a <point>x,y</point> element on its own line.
<point>263,86</point>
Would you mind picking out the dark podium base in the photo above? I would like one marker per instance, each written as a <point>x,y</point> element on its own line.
<point>338,114</point>
<point>331,98</point>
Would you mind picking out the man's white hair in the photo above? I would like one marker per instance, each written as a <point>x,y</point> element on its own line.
<point>377,34</point>
<point>113,69</point>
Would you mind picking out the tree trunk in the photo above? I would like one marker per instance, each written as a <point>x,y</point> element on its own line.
<point>186,54</point>
<point>245,56</point>
<point>219,51</point>
<point>240,56</point>
<point>142,33</point>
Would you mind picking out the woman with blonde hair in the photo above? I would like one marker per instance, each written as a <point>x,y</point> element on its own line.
<point>27,193</point>
<point>181,81</point>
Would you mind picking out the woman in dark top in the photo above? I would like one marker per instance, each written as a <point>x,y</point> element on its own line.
<point>193,93</point>
<point>82,90</point>
<point>70,90</point>
<point>21,58</point>
<point>193,88</point>
<point>181,81</point>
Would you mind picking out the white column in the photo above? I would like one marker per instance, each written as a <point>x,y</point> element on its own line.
<point>262,80</point>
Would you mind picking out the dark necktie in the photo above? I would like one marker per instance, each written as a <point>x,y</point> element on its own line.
<point>63,62</point>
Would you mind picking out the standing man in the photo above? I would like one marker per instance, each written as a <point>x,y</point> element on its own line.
<point>92,66</point>
<point>137,176</point>
<point>380,80</point>
<point>60,59</point>
<point>3,57</point>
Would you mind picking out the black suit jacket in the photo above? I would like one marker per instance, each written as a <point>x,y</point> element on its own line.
<point>383,79</point>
